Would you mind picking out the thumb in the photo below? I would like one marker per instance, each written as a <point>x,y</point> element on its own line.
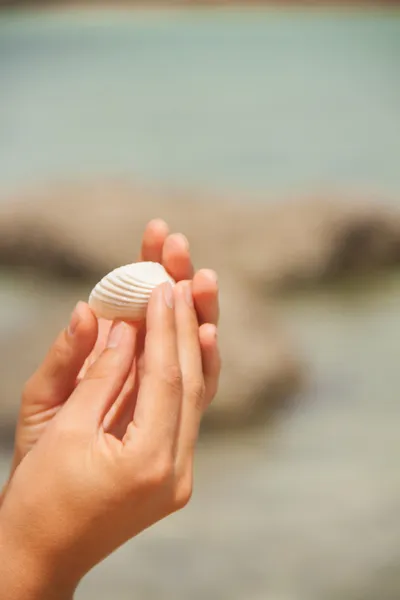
<point>55,379</point>
<point>104,380</point>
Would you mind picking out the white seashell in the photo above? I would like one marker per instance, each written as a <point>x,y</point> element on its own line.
<point>124,293</point>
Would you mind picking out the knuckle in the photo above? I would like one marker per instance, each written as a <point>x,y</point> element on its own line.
<point>172,377</point>
<point>94,375</point>
<point>196,391</point>
<point>162,472</point>
<point>59,353</point>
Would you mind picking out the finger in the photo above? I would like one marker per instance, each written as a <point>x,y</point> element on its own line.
<point>211,360</point>
<point>121,412</point>
<point>55,379</point>
<point>103,332</point>
<point>176,257</point>
<point>205,295</point>
<point>154,236</point>
<point>192,372</point>
<point>105,379</point>
<point>159,399</point>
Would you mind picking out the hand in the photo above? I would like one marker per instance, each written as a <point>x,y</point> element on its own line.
<point>81,491</point>
<point>78,346</point>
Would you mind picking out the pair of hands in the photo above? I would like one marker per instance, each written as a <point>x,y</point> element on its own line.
<point>107,429</point>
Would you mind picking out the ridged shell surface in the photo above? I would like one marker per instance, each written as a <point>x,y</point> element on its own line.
<point>125,292</point>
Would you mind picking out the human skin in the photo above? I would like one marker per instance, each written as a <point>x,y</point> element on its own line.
<point>68,358</point>
<point>97,475</point>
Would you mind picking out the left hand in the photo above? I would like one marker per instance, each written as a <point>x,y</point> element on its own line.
<point>82,492</point>
<point>77,347</point>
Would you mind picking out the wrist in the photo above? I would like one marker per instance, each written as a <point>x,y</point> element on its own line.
<point>26,575</point>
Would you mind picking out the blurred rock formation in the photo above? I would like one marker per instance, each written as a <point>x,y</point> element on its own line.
<point>73,235</point>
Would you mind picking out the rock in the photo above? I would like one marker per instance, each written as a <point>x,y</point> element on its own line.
<point>86,230</point>
<point>312,241</point>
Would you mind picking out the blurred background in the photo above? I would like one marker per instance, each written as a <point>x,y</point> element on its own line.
<point>271,136</point>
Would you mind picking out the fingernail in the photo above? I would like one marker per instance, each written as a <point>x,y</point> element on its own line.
<point>158,224</point>
<point>211,275</point>
<point>182,240</point>
<point>74,320</point>
<point>168,294</point>
<point>188,294</point>
<point>116,334</point>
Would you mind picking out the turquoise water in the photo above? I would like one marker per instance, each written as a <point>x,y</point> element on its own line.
<point>251,100</point>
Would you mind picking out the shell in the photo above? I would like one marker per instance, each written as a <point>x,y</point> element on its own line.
<point>123,294</point>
